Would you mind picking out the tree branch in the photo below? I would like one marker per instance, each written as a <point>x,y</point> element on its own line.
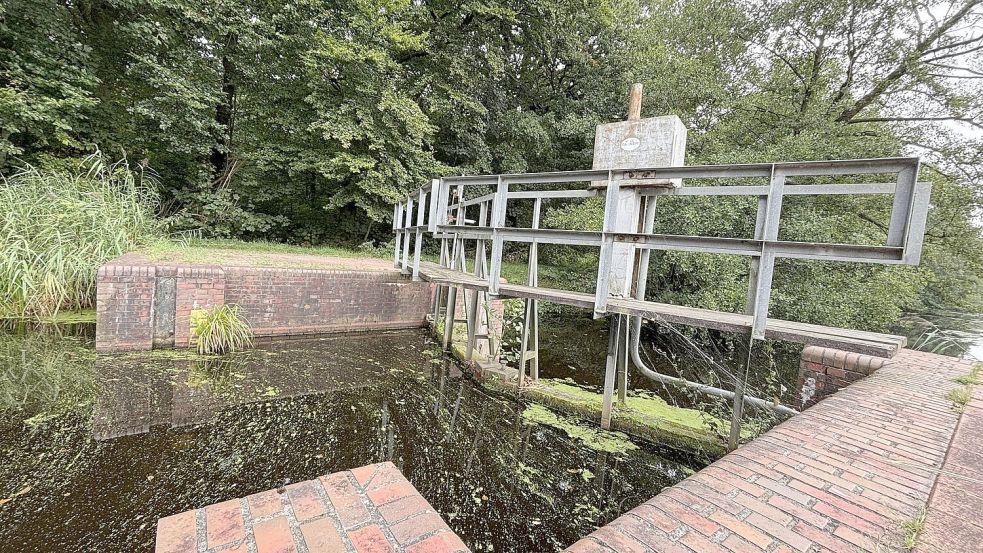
<point>969,120</point>
<point>906,64</point>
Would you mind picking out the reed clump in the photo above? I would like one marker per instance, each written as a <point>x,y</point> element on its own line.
<point>221,329</point>
<point>58,226</point>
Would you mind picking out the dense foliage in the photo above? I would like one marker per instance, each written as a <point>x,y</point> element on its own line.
<point>58,227</point>
<point>302,120</point>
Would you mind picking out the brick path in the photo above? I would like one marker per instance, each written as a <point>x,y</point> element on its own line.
<point>954,522</point>
<point>372,509</point>
<point>841,476</point>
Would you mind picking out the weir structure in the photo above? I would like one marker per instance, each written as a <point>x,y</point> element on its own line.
<point>637,162</point>
<point>457,212</point>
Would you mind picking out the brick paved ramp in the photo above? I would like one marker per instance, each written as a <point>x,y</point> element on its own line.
<point>955,513</point>
<point>841,476</point>
<point>368,509</point>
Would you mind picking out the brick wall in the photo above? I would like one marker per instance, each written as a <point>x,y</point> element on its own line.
<point>823,371</point>
<point>139,307</point>
<point>197,288</point>
<point>305,301</point>
<point>124,306</point>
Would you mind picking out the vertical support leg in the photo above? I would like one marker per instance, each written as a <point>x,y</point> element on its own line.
<point>735,421</point>
<point>622,375</point>
<point>472,325</point>
<point>535,341</point>
<point>524,342</point>
<point>449,317</point>
<point>609,373</point>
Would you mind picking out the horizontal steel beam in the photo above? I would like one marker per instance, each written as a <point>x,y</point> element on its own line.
<point>675,242</point>
<point>791,169</point>
<point>789,190</point>
<point>550,194</point>
<point>754,248</point>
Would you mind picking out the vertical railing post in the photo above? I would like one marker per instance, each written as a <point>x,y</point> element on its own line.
<point>434,204</point>
<point>407,222</point>
<point>602,291</point>
<point>766,267</point>
<point>418,245</point>
<point>498,240</point>
<point>759,230</point>
<point>904,196</point>
<point>398,229</point>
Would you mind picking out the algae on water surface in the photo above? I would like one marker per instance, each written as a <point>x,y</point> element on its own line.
<point>594,438</point>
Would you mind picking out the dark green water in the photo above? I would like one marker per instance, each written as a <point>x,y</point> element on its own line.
<point>94,449</point>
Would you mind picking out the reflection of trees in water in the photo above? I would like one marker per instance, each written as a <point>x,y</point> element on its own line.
<point>945,332</point>
<point>44,375</point>
<point>504,482</point>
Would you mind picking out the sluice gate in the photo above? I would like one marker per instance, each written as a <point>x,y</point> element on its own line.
<point>637,163</point>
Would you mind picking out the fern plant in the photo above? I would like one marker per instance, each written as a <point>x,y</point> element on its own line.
<point>221,329</point>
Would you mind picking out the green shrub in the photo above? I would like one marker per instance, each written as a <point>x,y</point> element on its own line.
<point>57,227</point>
<point>221,329</point>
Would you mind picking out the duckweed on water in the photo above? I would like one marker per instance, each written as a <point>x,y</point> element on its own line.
<point>159,434</point>
<point>594,438</point>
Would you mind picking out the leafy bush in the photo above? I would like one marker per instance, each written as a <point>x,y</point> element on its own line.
<point>58,226</point>
<point>221,329</point>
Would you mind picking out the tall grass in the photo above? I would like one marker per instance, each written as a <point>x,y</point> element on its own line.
<point>58,226</point>
<point>221,329</point>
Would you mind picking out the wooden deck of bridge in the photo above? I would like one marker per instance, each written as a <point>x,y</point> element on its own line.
<point>868,343</point>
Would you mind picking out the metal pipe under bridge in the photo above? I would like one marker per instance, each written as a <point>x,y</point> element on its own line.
<point>468,215</point>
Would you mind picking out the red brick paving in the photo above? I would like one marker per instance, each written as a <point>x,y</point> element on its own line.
<point>372,509</point>
<point>841,476</point>
<point>953,522</point>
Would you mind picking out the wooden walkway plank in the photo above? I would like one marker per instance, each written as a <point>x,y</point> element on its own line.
<point>857,341</point>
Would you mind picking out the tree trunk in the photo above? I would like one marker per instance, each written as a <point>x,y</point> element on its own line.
<point>225,115</point>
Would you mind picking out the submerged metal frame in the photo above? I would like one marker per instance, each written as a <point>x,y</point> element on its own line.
<point>434,205</point>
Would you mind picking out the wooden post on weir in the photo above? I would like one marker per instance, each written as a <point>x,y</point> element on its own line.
<point>616,370</point>
<point>635,102</point>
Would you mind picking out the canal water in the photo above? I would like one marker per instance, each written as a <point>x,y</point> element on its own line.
<point>94,449</point>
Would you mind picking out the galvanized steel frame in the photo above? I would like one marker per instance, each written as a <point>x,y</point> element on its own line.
<point>433,206</point>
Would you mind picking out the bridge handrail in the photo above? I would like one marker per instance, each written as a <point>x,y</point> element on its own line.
<point>441,211</point>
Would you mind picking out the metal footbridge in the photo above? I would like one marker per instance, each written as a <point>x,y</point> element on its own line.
<point>474,217</point>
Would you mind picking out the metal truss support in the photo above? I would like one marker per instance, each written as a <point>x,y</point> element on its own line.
<point>903,245</point>
<point>616,345</point>
<point>529,341</point>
